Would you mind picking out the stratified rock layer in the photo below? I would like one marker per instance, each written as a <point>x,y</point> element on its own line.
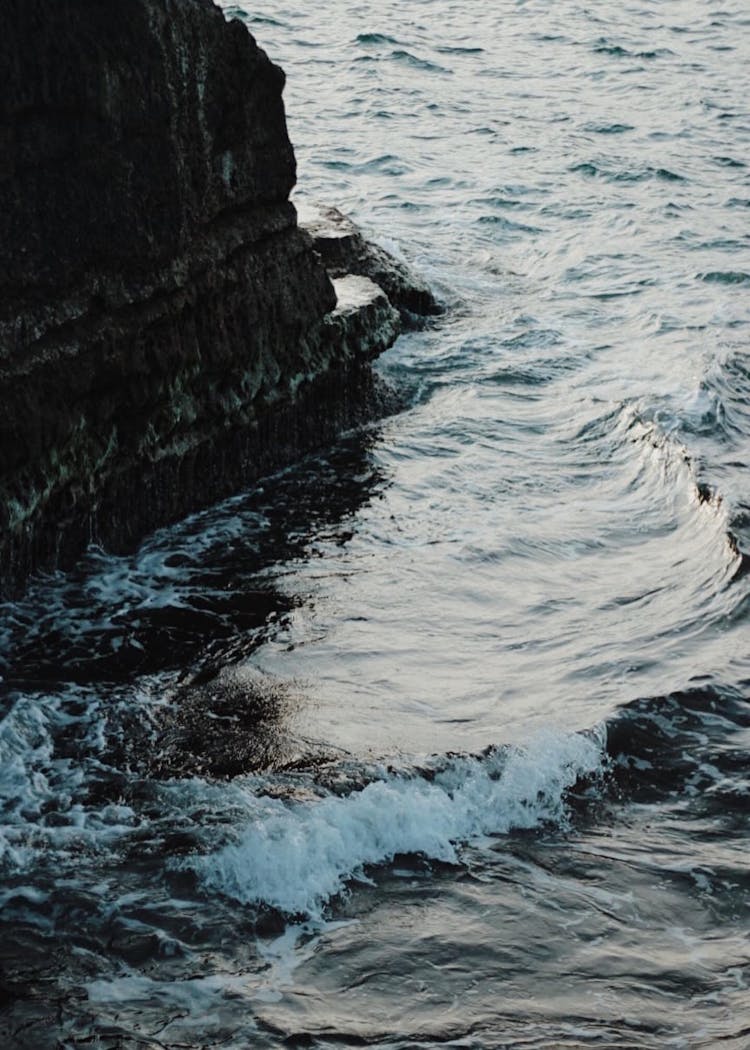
<point>167,332</point>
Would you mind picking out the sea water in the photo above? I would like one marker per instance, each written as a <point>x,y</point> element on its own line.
<point>441,737</point>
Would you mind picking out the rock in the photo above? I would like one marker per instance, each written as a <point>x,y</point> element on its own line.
<point>232,724</point>
<point>167,331</point>
<point>344,250</point>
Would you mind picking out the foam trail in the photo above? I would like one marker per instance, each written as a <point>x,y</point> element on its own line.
<point>296,857</point>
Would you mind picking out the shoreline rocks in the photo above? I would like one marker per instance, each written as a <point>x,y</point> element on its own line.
<point>168,332</point>
<point>344,250</point>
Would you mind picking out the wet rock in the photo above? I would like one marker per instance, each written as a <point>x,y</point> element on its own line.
<point>167,332</point>
<point>344,250</point>
<point>234,722</point>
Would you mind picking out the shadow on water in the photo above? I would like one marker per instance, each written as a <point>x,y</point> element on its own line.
<point>201,593</point>
<point>178,621</point>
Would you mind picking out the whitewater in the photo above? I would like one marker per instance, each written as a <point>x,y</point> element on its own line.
<point>440,737</point>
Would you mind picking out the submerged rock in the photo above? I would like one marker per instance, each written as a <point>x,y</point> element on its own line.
<point>167,331</point>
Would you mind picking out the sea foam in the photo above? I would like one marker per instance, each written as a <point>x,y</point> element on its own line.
<point>297,856</point>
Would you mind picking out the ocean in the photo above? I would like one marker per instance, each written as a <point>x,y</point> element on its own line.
<point>441,737</point>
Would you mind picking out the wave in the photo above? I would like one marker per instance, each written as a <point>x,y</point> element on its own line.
<point>725,277</point>
<point>682,743</point>
<point>597,170</point>
<point>296,857</point>
<point>456,49</point>
<point>670,431</point>
<point>608,129</point>
<point>375,38</point>
<point>730,162</point>
<point>232,10</point>
<point>421,64</point>
<point>707,426</point>
<point>300,838</point>
<point>604,47</point>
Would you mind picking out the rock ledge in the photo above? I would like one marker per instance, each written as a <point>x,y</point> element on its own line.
<point>168,332</point>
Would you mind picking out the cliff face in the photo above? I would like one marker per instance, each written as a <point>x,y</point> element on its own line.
<point>167,332</point>
<point>128,128</point>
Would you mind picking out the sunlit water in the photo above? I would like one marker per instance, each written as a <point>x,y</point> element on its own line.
<point>440,738</point>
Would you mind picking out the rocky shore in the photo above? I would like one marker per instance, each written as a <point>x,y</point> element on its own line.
<point>168,330</point>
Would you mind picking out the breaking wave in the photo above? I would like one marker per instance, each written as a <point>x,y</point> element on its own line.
<point>295,857</point>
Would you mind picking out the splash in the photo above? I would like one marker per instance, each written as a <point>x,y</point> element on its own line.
<point>296,857</point>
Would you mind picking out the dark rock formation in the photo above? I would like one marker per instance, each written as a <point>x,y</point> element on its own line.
<point>167,332</point>
<point>344,250</point>
<point>235,722</point>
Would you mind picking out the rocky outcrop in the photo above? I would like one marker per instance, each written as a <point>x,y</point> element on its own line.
<point>344,250</point>
<point>167,332</point>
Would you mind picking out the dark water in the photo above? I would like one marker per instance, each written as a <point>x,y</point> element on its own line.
<point>441,738</point>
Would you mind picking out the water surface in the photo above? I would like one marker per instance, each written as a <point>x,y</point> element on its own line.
<point>441,737</point>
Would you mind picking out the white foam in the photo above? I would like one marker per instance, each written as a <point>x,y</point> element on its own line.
<point>89,609</point>
<point>689,410</point>
<point>296,857</point>
<point>43,795</point>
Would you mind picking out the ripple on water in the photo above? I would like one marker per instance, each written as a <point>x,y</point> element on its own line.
<point>326,695</point>
<point>725,277</point>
